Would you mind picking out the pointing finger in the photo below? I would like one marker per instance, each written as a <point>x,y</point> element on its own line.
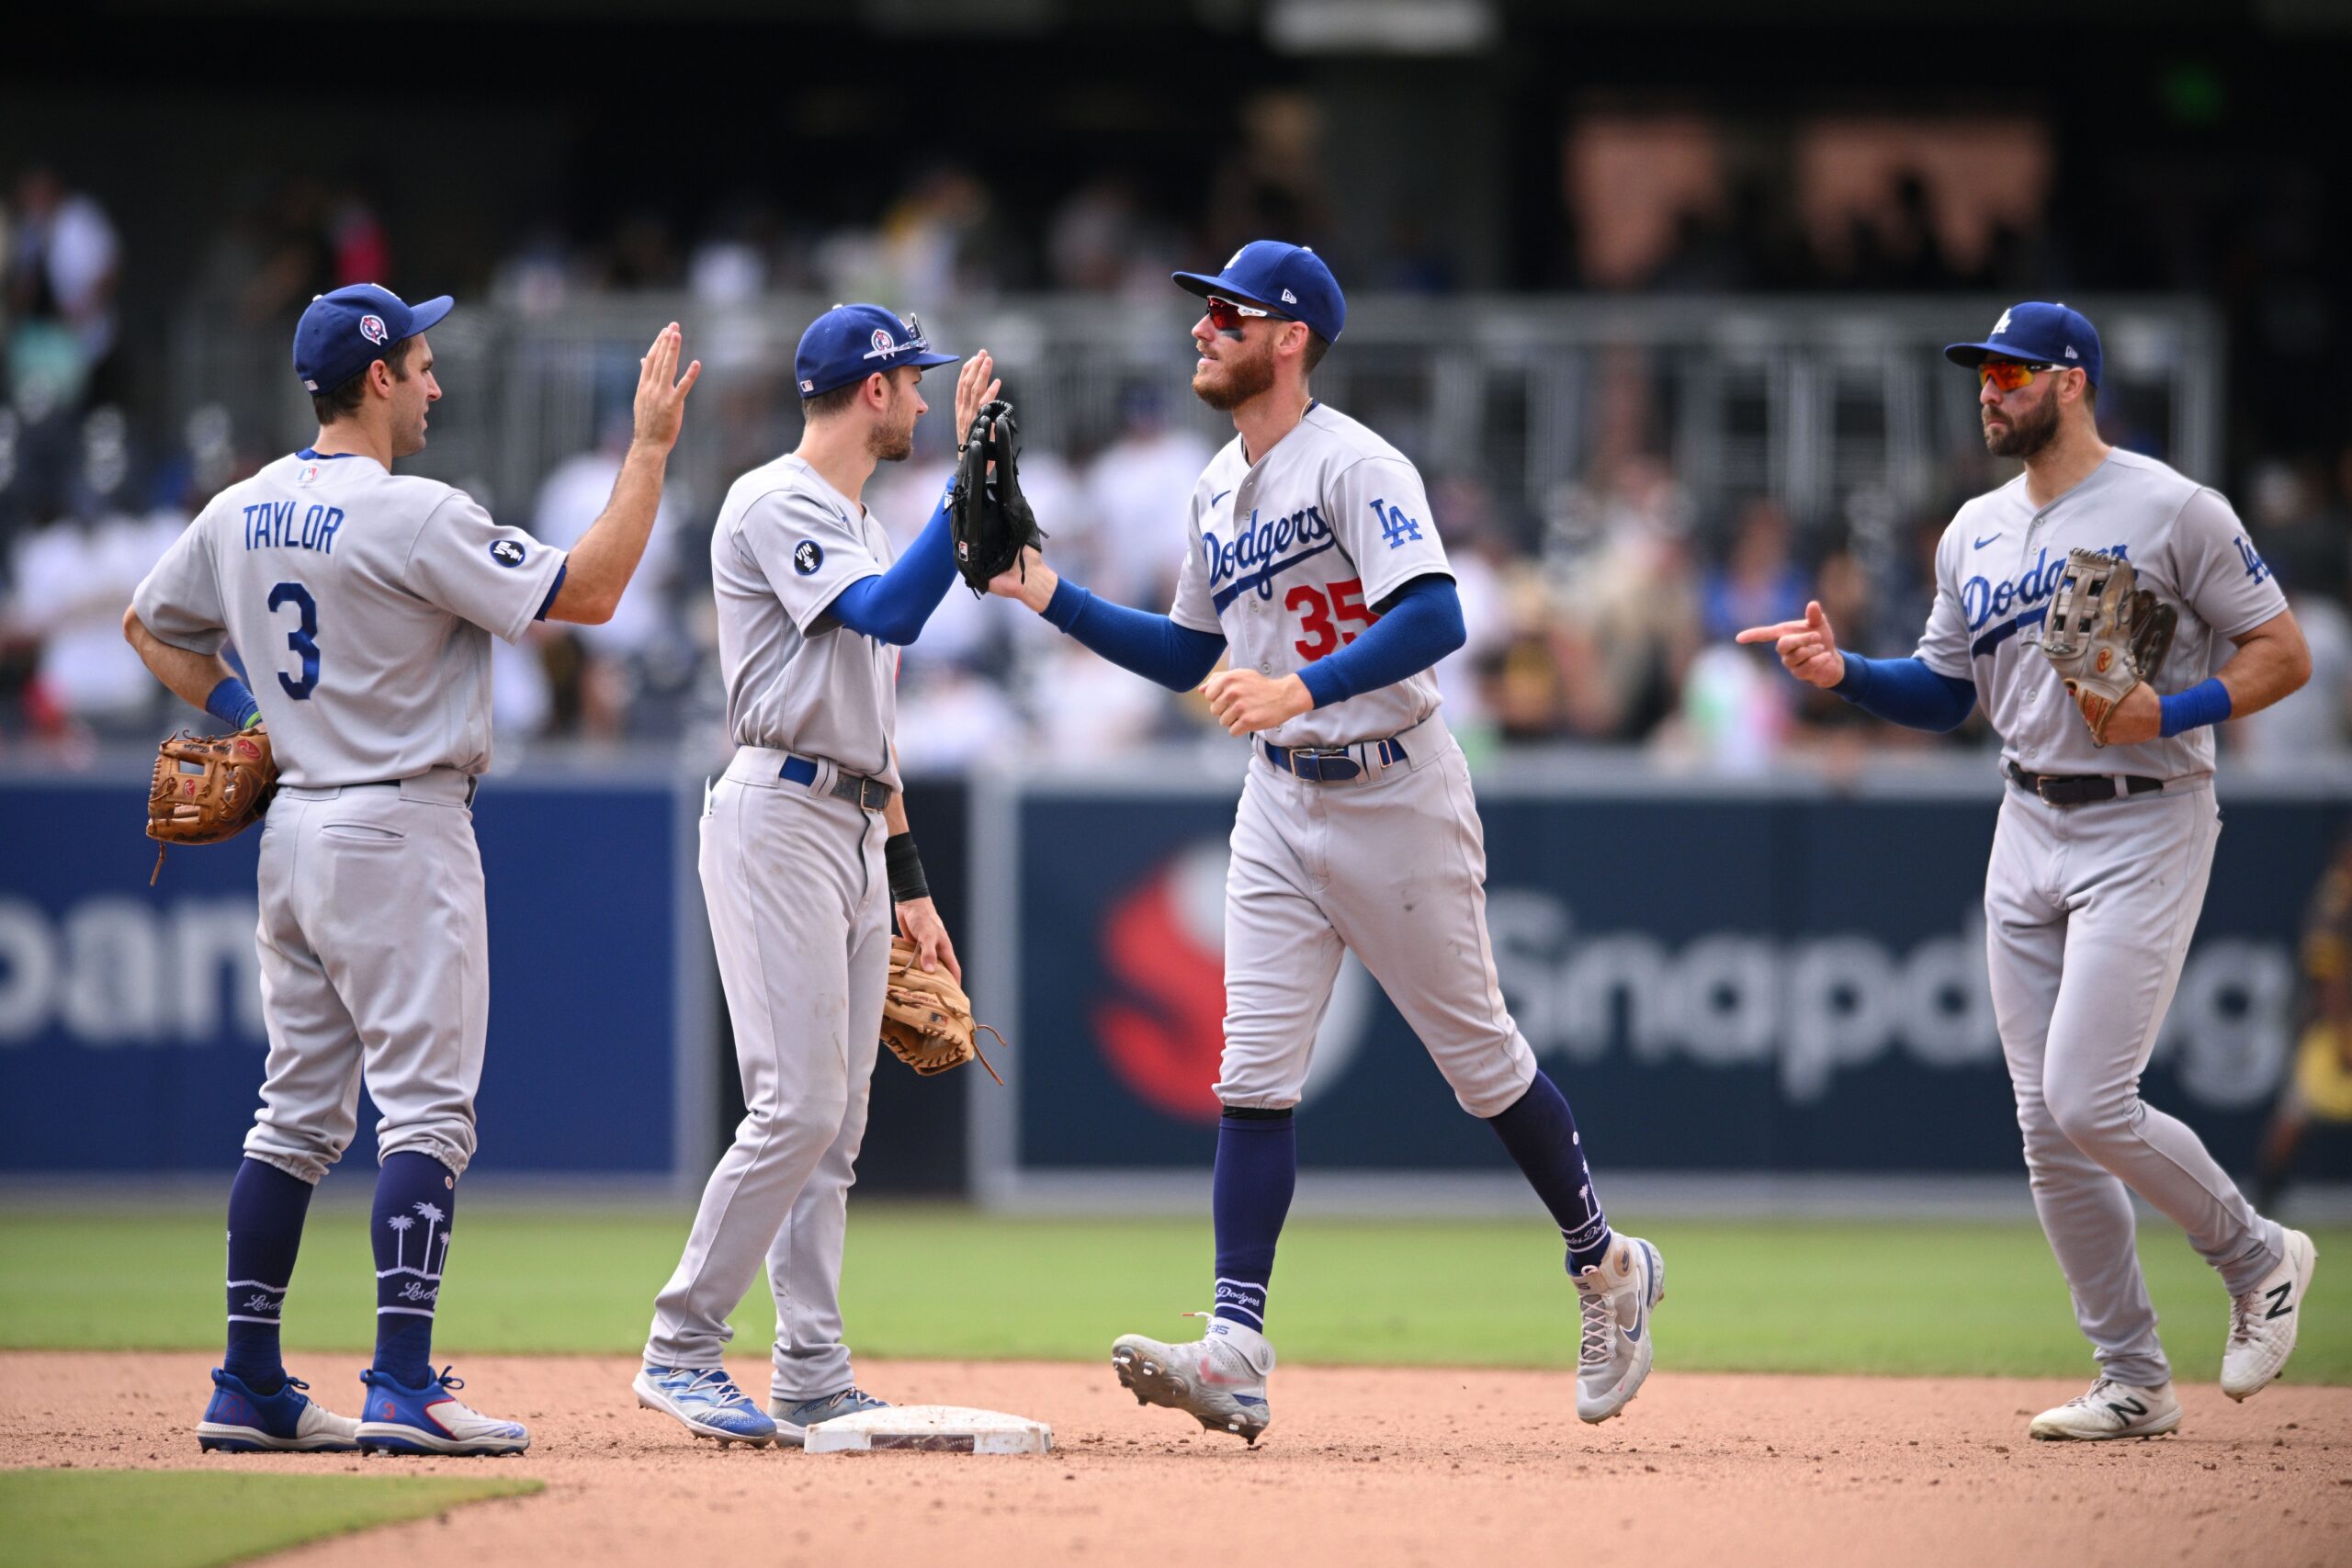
<point>1771,633</point>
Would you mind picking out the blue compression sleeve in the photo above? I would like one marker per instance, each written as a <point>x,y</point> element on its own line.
<point>1154,647</point>
<point>232,702</point>
<point>2208,701</point>
<point>892,607</point>
<point>1906,691</point>
<point>1423,624</point>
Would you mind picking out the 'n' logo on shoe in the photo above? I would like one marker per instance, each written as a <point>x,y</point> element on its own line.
<point>2128,1408</point>
<point>2278,1294</point>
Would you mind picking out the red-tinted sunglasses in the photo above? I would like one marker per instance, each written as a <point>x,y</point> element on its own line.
<point>2010,374</point>
<point>1227,316</point>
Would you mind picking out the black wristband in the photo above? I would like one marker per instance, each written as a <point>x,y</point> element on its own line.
<point>905,866</point>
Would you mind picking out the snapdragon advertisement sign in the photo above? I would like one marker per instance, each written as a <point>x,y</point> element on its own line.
<point>1771,983</point>
<point>131,1036</point>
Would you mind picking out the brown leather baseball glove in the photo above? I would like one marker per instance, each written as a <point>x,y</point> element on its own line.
<point>2105,635</point>
<point>926,1018</point>
<point>208,788</point>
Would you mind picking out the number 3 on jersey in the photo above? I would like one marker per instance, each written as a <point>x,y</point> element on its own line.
<point>303,639</point>
<point>1320,605</point>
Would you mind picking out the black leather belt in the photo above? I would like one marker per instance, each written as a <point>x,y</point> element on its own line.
<point>2081,789</point>
<point>869,794</point>
<point>1331,764</point>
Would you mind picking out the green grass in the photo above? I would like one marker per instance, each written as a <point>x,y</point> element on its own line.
<point>193,1518</point>
<point>1817,1296</point>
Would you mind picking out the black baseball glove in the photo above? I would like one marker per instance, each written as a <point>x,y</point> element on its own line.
<point>991,517</point>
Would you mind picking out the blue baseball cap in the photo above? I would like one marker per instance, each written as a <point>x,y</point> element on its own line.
<point>344,332</point>
<point>2046,335</point>
<point>850,343</point>
<point>1289,280</point>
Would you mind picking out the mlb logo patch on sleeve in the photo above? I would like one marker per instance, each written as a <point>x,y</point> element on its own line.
<point>506,552</point>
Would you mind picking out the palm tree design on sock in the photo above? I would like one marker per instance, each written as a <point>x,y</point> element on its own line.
<point>433,1216</point>
<point>400,1224</point>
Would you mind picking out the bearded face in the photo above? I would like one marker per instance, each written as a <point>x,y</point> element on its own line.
<point>1233,370</point>
<point>2018,428</point>
<point>892,439</point>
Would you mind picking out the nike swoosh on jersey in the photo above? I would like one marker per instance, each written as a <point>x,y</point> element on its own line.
<point>1985,541</point>
<point>1220,495</point>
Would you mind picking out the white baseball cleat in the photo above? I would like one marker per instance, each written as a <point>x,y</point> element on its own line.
<point>2109,1410</point>
<point>1614,1349</point>
<point>1220,1380</point>
<point>2263,1321</point>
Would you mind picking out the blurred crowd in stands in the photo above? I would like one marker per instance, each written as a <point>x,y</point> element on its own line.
<point>1599,614</point>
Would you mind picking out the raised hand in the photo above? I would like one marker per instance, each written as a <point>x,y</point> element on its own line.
<point>660,393</point>
<point>1808,647</point>
<point>975,385</point>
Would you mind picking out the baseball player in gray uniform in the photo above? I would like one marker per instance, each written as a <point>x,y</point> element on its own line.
<point>363,602</point>
<point>1315,562</point>
<point>804,855</point>
<point>2100,859</point>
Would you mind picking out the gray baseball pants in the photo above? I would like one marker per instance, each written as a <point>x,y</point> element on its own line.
<point>2088,912</point>
<point>375,961</point>
<point>800,917</point>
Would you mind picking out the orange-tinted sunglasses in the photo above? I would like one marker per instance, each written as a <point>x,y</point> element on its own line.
<point>2010,374</point>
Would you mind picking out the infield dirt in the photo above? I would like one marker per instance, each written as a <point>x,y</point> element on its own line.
<point>1364,1468</point>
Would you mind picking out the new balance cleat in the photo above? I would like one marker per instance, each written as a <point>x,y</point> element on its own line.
<point>2263,1321</point>
<point>2108,1411</point>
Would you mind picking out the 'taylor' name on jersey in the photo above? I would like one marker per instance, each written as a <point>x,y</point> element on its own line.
<point>1261,545</point>
<point>1981,599</point>
<point>270,525</point>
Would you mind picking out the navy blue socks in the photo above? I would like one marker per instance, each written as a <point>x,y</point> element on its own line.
<point>266,1210</point>
<point>1540,1133</point>
<point>415,1200</point>
<point>1257,1170</point>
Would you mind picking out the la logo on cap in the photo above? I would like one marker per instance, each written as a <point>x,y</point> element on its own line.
<point>372,328</point>
<point>2002,325</point>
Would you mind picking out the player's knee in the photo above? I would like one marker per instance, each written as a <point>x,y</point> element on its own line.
<point>812,1115</point>
<point>2091,1115</point>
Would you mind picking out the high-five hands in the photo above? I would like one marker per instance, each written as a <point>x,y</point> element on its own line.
<point>1808,647</point>
<point>661,400</point>
<point>975,386</point>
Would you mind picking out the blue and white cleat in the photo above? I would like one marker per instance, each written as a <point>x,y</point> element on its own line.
<point>1614,1349</point>
<point>704,1401</point>
<point>794,1417</point>
<point>429,1420</point>
<point>240,1421</point>
<point>1220,1380</point>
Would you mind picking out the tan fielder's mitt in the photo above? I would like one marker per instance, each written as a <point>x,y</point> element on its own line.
<point>208,788</point>
<point>926,1018</point>
<point>2103,636</point>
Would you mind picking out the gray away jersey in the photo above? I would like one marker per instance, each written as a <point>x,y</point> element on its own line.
<point>363,604</point>
<point>1289,555</point>
<point>1999,564</point>
<point>798,680</point>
